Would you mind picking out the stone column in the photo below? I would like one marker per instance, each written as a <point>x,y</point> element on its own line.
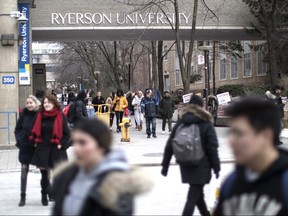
<point>9,90</point>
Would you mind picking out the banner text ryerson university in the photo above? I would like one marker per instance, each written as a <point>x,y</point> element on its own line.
<point>24,49</point>
<point>118,18</point>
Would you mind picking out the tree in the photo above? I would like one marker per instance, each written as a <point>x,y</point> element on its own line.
<point>272,19</point>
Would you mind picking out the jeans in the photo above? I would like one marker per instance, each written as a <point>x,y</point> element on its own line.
<point>164,123</point>
<point>195,198</point>
<point>119,116</point>
<point>149,121</point>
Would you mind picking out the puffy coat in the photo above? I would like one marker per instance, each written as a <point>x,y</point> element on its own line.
<point>47,155</point>
<point>113,191</point>
<point>80,111</point>
<point>200,173</point>
<point>22,132</point>
<point>166,107</point>
<point>120,103</point>
<point>149,107</point>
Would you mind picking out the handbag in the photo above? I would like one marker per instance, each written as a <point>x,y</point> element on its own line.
<point>126,112</point>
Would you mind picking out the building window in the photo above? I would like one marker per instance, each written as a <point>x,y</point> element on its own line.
<point>247,61</point>
<point>200,73</point>
<point>234,67</point>
<point>165,51</point>
<point>223,74</point>
<point>177,77</point>
<point>262,65</point>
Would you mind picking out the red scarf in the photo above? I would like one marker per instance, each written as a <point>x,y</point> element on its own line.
<point>57,127</point>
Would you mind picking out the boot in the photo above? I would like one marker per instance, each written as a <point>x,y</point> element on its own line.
<point>141,127</point>
<point>22,200</point>
<point>44,199</point>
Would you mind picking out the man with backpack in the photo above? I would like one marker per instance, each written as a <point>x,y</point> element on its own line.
<point>259,184</point>
<point>194,144</point>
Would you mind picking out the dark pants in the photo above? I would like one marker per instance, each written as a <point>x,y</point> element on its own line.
<point>45,182</point>
<point>164,123</point>
<point>149,121</point>
<point>119,116</point>
<point>195,198</point>
<point>111,119</point>
<point>24,174</point>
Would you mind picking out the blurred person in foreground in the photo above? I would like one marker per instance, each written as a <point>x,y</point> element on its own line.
<point>22,133</point>
<point>194,143</point>
<point>50,135</point>
<point>259,184</point>
<point>99,181</point>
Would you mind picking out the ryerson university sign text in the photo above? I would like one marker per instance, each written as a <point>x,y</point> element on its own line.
<point>118,18</point>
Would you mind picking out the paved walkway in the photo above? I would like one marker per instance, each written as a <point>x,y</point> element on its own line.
<point>140,151</point>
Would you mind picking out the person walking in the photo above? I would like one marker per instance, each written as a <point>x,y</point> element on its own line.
<point>259,183</point>
<point>98,100</point>
<point>120,103</point>
<point>149,109</point>
<point>78,109</point>
<point>22,132</point>
<point>50,135</point>
<point>194,143</point>
<point>166,107</point>
<point>100,181</point>
<point>109,101</point>
<point>136,103</point>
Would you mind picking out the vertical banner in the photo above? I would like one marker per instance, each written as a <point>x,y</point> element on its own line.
<point>24,49</point>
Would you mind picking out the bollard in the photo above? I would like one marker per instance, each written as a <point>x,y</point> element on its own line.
<point>125,127</point>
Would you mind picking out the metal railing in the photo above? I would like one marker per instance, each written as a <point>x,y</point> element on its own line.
<point>8,127</point>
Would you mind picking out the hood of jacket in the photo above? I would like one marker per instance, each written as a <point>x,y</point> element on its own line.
<point>120,180</point>
<point>270,95</point>
<point>195,114</point>
<point>280,165</point>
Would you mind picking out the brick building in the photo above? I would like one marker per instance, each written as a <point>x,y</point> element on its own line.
<point>249,68</point>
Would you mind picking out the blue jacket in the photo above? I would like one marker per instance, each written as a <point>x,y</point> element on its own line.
<point>149,107</point>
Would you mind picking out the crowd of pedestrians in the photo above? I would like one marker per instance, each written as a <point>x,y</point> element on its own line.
<point>100,180</point>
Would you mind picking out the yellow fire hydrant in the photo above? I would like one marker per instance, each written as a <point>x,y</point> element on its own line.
<point>125,127</point>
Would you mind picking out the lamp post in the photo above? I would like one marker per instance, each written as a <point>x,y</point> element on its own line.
<point>96,73</point>
<point>206,49</point>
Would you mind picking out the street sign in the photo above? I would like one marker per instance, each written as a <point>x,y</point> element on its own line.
<point>224,98</point>
<point>8,80</point>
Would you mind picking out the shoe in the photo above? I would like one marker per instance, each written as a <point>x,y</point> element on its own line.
<point>51,199</point>
<point>44,199</point>
<point>163,132</point>
<point>148,136</point>
<point>22,201</point>
<point>154,135</point>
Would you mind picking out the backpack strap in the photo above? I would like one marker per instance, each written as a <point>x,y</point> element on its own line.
<point>285,186</point>
<point>227,186</point>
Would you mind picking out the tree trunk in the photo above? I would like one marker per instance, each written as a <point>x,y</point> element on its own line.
<point>160,66</point>
<point>214,67</point>
<point>154,65</point>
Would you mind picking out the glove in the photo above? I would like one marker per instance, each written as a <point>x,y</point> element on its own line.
<point>217,175</point>
<point>164,172</point>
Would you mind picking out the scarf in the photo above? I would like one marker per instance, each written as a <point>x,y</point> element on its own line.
<point>57,127</point>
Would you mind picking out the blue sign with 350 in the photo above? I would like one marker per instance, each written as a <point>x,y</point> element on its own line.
<point>8,80</point>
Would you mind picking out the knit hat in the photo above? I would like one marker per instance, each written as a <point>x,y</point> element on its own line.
<point>196,100</point>
<point>35,100</point>
<point>148,91</point>
<point>98,130</point>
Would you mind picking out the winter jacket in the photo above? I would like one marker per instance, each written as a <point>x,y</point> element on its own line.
<point>149,107</point>
<point>98,101</point>
<point>277,101</point>
<point>80,111</point>
<point>261,196</point>
<point>200,173</point>
<point>120,103</point>
<point>136,103</point>
<point>46,154</point>
<point>166,107</point>
<point>22,132</point>
<point>112,193</point>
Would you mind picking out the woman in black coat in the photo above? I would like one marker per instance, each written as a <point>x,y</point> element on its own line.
<point>196,175</point>
<point>80,111</point>
<point>22,132</point>
<point>100,181</point>
<point>50,135</point>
